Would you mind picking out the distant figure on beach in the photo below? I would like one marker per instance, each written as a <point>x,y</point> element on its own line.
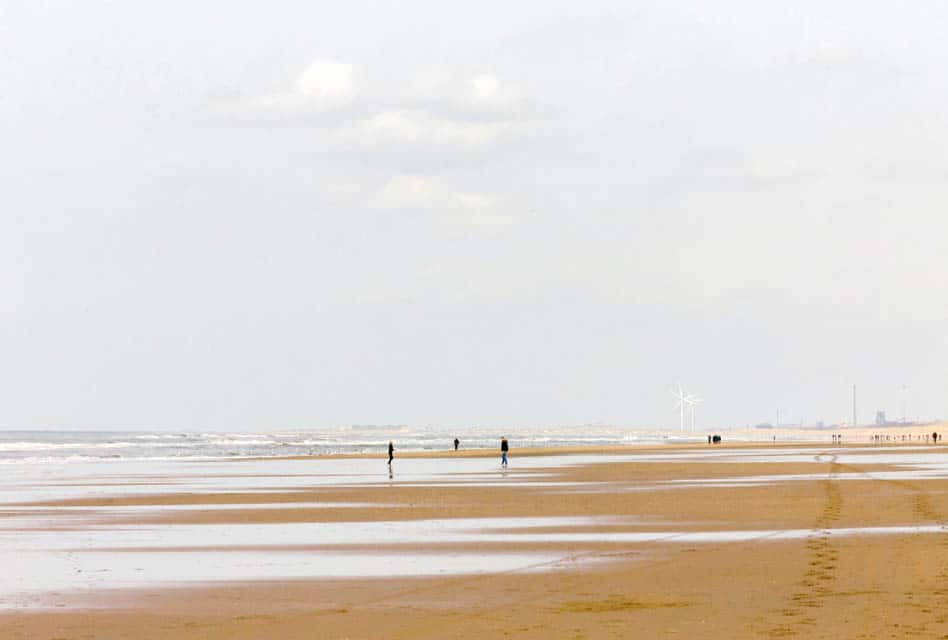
<point>391,452</point>
<point>456,443</point>
<point>709,439</point>
<point>504,448</point>
<point>934,437</point>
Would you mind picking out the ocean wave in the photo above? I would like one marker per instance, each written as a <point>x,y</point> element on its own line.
<point>68,446</point>
<point>108,459</point>
<point>43,446</point>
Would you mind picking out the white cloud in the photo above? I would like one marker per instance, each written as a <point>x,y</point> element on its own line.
<point>328,83</point>
<point>413,191</point>
<point>460,209</point>
<point>475,201</point>
<point>486,91</point>
<point>323,85</point>
<point>428,192</point>
<point>485,87</point>
<point>436,110</point>
<point>479,93</point>
<point>422,128</point>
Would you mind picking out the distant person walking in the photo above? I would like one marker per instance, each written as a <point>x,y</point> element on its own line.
<point>391,452</point>
<point>504,448</point>
<point>456,444</point>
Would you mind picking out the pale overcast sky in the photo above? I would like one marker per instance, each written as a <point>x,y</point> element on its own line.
<point>257,215</point>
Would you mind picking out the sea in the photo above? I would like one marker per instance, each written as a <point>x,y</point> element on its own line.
<point>42,446</point>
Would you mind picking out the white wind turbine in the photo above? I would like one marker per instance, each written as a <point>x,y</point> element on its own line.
<point>693,401</point>
<point>682,401</point>
<point>685,400</point>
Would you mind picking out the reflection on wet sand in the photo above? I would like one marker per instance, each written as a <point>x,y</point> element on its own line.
<point>85,528</point>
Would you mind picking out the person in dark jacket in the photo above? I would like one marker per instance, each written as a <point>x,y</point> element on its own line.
<point>504,448</point>
<point>456,444</point>
<point>391,451</point>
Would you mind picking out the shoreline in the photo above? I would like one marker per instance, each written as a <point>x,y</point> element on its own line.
<point>619,449</point>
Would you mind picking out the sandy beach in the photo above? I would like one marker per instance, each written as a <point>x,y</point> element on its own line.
<point>280,282</point>
<point>749,541</point>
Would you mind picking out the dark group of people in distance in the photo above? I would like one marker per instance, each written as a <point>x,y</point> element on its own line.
<point>504,448</point>
<point>934,437</point>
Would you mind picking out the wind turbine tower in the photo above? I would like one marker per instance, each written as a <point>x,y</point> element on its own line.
<point>854,405</point>
<point>680,406</point>
<point>693,401</point>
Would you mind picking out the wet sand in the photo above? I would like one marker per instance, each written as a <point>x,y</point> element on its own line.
<point>753,541</point>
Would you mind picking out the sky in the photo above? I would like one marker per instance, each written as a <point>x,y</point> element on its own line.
<point>250,216</point>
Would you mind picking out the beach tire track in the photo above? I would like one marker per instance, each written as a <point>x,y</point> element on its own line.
<point>927,600</point>
<point>822,558</point>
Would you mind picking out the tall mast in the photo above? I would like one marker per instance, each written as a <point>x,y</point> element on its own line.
<point>854,405</point>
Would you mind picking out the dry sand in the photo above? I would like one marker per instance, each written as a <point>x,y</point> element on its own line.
<point>823,585</point>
